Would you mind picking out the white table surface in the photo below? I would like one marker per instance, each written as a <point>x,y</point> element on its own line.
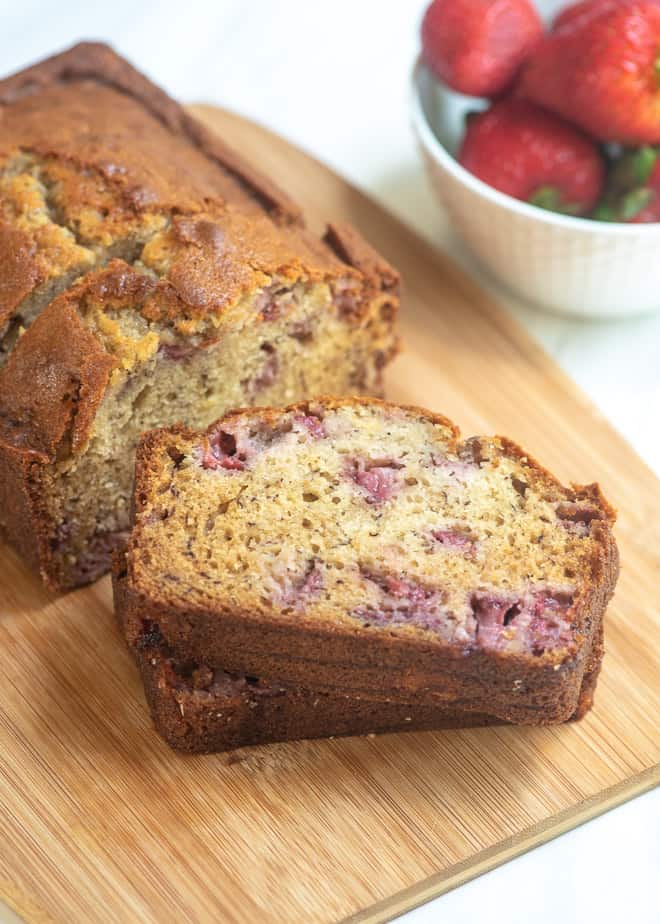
<point>333,77</point>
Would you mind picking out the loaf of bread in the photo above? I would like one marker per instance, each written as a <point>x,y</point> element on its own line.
<point>357,547</point>
<point>149,275</point>
<point>201,709</point>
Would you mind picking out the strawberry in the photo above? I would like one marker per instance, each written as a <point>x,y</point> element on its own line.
<point>535,156</point>
<point>600,68</point>
<point>583,7</point>
<point>632,193</point>
<point>575,10</point>
<point>478,46</point>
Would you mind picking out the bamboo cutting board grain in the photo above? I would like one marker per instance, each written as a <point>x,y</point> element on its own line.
<point>99,821</point>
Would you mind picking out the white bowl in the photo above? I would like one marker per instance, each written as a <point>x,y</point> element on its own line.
<point>572,266</point>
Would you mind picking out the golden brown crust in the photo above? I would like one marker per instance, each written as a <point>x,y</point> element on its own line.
<point>21,272</point>
<point>20,490</point>
<point>83,179</point>
<point>52,384</point>
<point>81,142</point>
<point>97,63</point>
<point>332,402</point>
<point>351,247</point>
<point>210,260</point>
<point>46,409</point>
<point>521,688</point>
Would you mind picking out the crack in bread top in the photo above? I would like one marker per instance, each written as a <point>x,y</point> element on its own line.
<point>88,173</point>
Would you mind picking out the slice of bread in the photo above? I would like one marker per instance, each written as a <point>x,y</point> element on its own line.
<point>201,709</point>
<point>361,547</point>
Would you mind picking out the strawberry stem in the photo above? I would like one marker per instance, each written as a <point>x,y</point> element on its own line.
<point>634,202</point>
<point>550,198</point>
<point>627,192</point>
<point>643,162</point>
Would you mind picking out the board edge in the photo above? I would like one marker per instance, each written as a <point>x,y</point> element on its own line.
<point>486,860</point>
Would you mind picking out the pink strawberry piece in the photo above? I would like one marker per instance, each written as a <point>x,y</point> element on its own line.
<point>221,451</point>
<point>348,298</point>
<point>234,446</point>
<point>377,478</point>
<point>233,463</point>
<point>297,590</point>
<point>274,301</point>
<point>493,612</point>
<point>548,627</point>
<point>405,601</point>
<point>311,423</point>
<point>176,351</point>
<point>460,469</point>
<point>405,589</point>
<point>313,581</point>
<point>533,622</point>
<point>455,540</point>
<point>269,370</point>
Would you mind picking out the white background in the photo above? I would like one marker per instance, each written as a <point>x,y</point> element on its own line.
<point>333,75</point>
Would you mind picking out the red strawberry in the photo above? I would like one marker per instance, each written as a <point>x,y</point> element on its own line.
<point>601,70</point>
<point>478,46</point>
<point>633,189</point>
<point>535,156</point>
<point>585,7</point>
<point>571,13</point>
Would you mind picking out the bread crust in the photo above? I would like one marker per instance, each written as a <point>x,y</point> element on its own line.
<point>412,669</point>
<point>209,227</point>
<point>97,62</point>
<point>46,407</point>
<point>244,714</point>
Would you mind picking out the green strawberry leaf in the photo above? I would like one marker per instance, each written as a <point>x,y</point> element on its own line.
<point>633,169</point>
<point>549,198</point>
<point>604,212</point>
<point>643,163</point>
<point>634,202</point>
<point>626,192</point>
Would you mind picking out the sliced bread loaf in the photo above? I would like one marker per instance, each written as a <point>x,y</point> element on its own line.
<point>359,547</point>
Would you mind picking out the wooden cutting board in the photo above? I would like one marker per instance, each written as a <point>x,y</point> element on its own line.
<point>100,821</point>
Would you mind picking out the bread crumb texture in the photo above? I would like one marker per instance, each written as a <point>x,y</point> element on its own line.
<point>366,514</point>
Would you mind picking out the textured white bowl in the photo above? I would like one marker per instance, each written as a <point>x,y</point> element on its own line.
<point>568,265</point>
